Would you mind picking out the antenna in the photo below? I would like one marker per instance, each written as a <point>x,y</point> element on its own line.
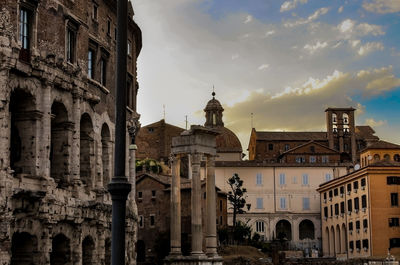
<point>186,121</point>
<point>252,125</point>
<point>213,93</point>
<point>163,111</point>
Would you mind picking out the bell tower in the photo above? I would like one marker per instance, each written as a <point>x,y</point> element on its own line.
<point>213,112</point>
<point>341,131</point>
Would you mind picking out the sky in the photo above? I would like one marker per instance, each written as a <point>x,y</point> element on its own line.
<point>283,61</point>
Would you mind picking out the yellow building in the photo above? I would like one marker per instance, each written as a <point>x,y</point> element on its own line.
<point>360,211</point>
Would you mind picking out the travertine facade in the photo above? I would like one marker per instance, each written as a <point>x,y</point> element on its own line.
<point>57,96</point>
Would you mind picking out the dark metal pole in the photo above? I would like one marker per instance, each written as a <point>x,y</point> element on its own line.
<point>119,187</point>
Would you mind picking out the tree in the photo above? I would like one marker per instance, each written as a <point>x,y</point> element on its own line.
<point>236,197</point>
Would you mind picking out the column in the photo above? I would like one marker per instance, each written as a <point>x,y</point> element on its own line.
<point>175,206</point>
<point>75,149</point>
<point>132,171</point>
<point>197,233</point>
<point>211,238</point>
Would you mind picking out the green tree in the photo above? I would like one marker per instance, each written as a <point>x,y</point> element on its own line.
<point>236,197</point>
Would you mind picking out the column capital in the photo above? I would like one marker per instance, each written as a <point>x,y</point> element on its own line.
<point>196,157</point>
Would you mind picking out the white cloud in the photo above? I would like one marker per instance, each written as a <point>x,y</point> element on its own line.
<point>289,5</point>
<point>313,48</point>
<point>373,123</point>
<point>370,47</point>
<point>340,10</point>
<point>248,19</point>
<point>314,16</point>
<point>346,26</point>
<point>355,43</point>
<point>349,29</point>
<point>382,6</point>
<point>269,33</point>
<point>263,66</point>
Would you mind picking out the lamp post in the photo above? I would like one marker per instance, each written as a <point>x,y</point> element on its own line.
<point>119,187</point>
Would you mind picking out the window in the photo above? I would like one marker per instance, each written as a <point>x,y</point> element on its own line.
<point>355,185</point>
<point>287,147</point>
<point>358,225</point>
<point>358,245</point>
<point>259,179</point>
<point>351,245</point>
<point>336,209</point>
<point>313,159</point>
<point>259,203</point>
<point>260,226</point>
<point>129,47</point>
<point>220,220</point>
<point>325,159</point>
<point>306,203</point>
<point>365,244</point>
<point>312,149</point>
<point>108,27</point>
<point>330,194</point>
<point>335,192</point>
<point>328,177</point>
<point>91,59</point>
<point>349,205</point>
<point>326,212</point>
<point>305,179</point>
<point>324,195</point>
<point>393,180</point>
<point>341,207</point>
<point>150,130</point>
<point>220,205</point>
<point>129,93</point>
<point>115,33</point>
<point>364,201</point>
<point>95,11</point>
<point>393,222</point>
<point>140,195</point>
<point>71,44</point>
<point>282,179</point>
<point>394,243</point>
<point>351,226</point>
<point>356,203</point>
<point>270,147</point>
<point>363,182</point>
<point>25,32</point>
<point>103,71</point>
<point>141,221</point>
<point>349,187</point>
<point>152,220</point>
<point>153,193</point>
<point>331,211</point>
<point>394,199</point>
<point>300,159</point>
<point>283,203</point>
<point>365,223</point>
<point>342,190</point>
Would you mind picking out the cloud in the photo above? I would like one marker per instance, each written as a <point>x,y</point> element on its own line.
<point>382,6</point>
<point>314,16</point>
<point>269,33</point>
<point>379,80</point>
<point>350,28</point>
<point>289,5</point>
<point>263,66</point>
<point>373,123</point>
<point>340,10</point>
<point>370,47</point>
<point>248,19</point>
<point>317,46</point>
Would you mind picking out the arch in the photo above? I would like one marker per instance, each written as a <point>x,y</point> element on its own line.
<point>87,251</point>
<point>23,130</point>
<point>396,157</point>
<point>107,251</point>
<point>86,151</point>
<point>377,157</point>
<point>343,239</point>
<point>59,144</point>
<point>386,157</point>
<point>306,230</point>
<point>61,251</point>
<point>23,247</point>
<point>337,240</point>
<point>283,230</point>
<point>325,242</point>
<point>332,242</point>
<point>106,153</point>
<point>141,251</point>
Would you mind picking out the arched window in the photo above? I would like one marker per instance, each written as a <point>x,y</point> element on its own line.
<point>377,158</point>
<point>86,151</point>
<point>396,157</point>
<point>61,251</point>
<point>306,230</point>
<point>283,230</point>
<point>386,157</point>
<point>23,249</point>
<point>87,251</point>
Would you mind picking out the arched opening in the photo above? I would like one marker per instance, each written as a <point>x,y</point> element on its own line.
<point>141,251</point>
<point>23,133</point>
<point>87,251</point>
<point>59,144</point>
<point>337,240</point>
<point>61,252</point>
<point>396,157</point>
<point>332,242</point>
<point>86,151</point>
<point>283,230</point>
<point>346,128</point>
<point>377,158</point>
<point>343,238</point>
<point>386,157</point>
<point>107,251</point>
<point>306,230</point>
<point>325,243</point>
<point>22,249</point>
<point>106,154</point>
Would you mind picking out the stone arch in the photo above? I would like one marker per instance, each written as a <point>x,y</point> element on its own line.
<point>377,157</point>
<point>23,132</point>
<point>283,230</point>
<point>325,243</point>
<point>332,242</point>
<point>23,248</point>
<point>141,251</point>
<point>86,151</point>
<point>338,240</point>
<point>343,239</point>
<point>396,157</point>
<point>88,251</point>
<point>306,229</point>
<point>61,251</point>
<point>106,149</point>
<point>59,151</point>
<point>386,157</point>
<point>107,251</point>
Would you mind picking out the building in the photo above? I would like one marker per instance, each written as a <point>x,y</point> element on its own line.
<point>153,200</point>
<point>360,211</point>
<point>283,197</point>
<point>341,136</point>
<point>57,118</point>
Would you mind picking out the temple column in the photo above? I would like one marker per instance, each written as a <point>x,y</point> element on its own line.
<point>175,224</point>
<point>197,233</point>
<point>211,238</point>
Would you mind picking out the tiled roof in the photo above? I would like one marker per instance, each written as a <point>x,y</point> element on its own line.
<point>291,136</point>
<point>382,145</point>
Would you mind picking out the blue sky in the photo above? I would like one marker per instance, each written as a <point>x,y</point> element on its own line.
<point>284,61</point>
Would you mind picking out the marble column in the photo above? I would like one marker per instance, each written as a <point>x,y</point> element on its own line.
<point>175,225</point>
<point>197,233</point>
<point>211,237</point>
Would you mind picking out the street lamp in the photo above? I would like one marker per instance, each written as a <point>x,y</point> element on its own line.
<point>119,187</point>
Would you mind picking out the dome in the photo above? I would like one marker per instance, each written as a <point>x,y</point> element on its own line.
<point>213,105</point>
<point>227,141</point>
